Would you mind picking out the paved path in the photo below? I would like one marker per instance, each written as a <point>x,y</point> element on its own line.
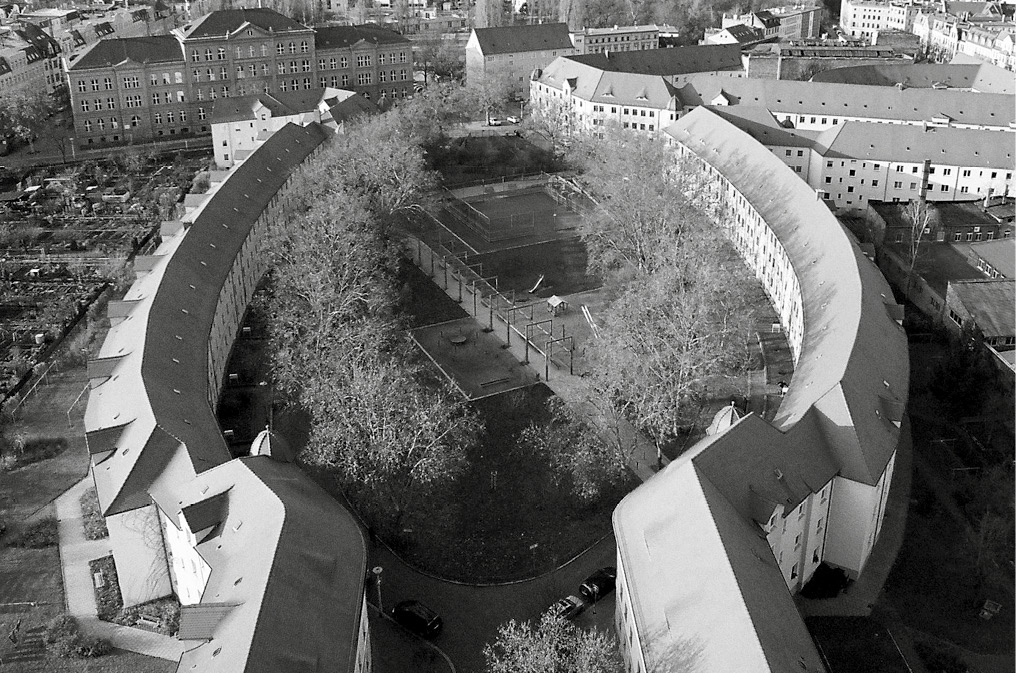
<point>79,594</point>
<point>575,390</point>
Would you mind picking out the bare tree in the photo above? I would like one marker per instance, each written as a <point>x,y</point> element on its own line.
<point>918,217</point>
<point>552,644</point>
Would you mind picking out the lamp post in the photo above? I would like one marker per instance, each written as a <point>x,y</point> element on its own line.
<point>377,570</point>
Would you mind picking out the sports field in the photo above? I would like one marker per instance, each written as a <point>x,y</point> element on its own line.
<point>515,218</point>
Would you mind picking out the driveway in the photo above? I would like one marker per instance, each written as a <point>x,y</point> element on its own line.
<point>472,614</point>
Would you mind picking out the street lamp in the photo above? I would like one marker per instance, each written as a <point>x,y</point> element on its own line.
<point>377,570</point>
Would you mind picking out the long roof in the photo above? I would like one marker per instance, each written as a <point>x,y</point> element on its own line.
<point>904,143</point>
<point>854,100</point>
<point>1001,254</point>
<point>991,303</point>
<point>982,78</point>
<point>707,576</point>
<point>521,39</point>
<point>287,561</point>
<point>594,84</point>
<point>708,582</point>
<point>667,62</point>
<point>281,104</point>
<point>340,37</point>
<point>223,22</point>
<point>116,51</point>
<point>851,344</point>
<point>148,418</point>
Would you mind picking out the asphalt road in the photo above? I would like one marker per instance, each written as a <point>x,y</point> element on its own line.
<point>472,614</point>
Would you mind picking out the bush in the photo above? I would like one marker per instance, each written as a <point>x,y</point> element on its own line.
<point>39,535</point>
<point>95,524</point>
<point>108,600</point>
<point>63,638</point>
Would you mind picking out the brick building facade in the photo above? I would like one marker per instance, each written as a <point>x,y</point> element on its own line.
<point>145,88</point>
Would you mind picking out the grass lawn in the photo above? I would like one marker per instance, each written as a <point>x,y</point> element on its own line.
<point>933,587</point>
<point>504,519</point>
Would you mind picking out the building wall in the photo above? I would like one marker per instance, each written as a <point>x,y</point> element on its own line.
<point>188,571</point>
<point>798,537</point>
<point>803,68</point>
<point>139,554</point>
<point>369,70</point>
<point>577,115</point>
<point>855,520</point>
<point>517,68</point>
<point>863,18</point>
<point>364,661</point>
<point>633,38</point>
<point>629,640</point>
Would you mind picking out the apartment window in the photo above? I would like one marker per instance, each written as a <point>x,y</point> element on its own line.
<point>994,174</point>
<point>944,188</point>
<point>293,67</point>
<point>343,62</point>
<point>195,55</point>
<point>305,66</point>
<point>208,54</point>
<point>957,236</point>
<point>253,70</point>
<point>850,189</point>
<point>800,153</point>
<point>251,53</point>
<point>381,76</point>
<point>201,94</point>
<point>306,82</point>
<point>131,82</point>
<point>402,57</point>
<point>828,180</point>
<point>331,63</point>
<point>304,48</point>
<point>210,74</point>
<point>85,106</point>
<point>321,64</point>
<point>280,49</point>
<point>913,186</point>
<point>183,117</point>
<point>88,126</point>
<point>157,118</point>
<point>264,71</point>
<point>155,99</point>
<point>898,185</point>
<point>788,153</point>
<point>363,78</point>
<point>282,68</point>
<point>201,113</point>
<point>793,572</point>
<point>240,72</point>
<point>852,172</point>
<point>797,169</point>
<point>964,189</point>
<point>363,61</point>
<point>110,103</point>
<point>345,81</point>
<point>223,73</point>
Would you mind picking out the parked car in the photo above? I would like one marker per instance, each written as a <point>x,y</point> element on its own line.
<point>568,608</point>
<point>495,121</point>
<point>599,584</point>
<point>418,618</point>
<point>512,119</point>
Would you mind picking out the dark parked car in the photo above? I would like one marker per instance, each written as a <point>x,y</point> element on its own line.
<point>599,584</point>
<point>568,608</point>
<point>418,618</point>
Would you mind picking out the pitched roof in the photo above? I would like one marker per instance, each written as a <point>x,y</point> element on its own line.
<point>151,379</point>
<point>708,581</point>
<point>340,37</point>
<point>596,85</point>
<point>281,104</point>
<point>520,39</point>
<point>667,62</point>
<point>983,77</point>
<point>915,144</point>
<point>990,302</point>
<point>745,34</point>
<point>105,53</point>
<point>1000,254</point>
<point>351,107</point>
<point>289,560</point>
<point>851,344</point>
<point>226,21</point>
<point>854,100</point>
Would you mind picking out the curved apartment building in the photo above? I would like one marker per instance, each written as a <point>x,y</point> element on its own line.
<point>712,548</point>
<point>268,567</point>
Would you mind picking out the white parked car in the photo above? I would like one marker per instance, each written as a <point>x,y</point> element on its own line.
<point>512,119</point>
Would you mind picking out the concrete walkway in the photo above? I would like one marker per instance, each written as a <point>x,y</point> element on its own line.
<point>79,594</point>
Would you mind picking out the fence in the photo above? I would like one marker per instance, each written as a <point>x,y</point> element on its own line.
<point>507,227</point>
<point>482,294</point>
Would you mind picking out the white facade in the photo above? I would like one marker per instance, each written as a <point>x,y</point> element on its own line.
<point>855,520</point>
<point>139,555</point>
<point>864,18</point>
<point>188,570</point>
<point>618,38</point>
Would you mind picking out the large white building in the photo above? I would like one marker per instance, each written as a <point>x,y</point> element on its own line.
<point>268,567</point>
<point>854,163</point>
<point>618,38</point>
<point>866,18</point>
<point>710,550</point>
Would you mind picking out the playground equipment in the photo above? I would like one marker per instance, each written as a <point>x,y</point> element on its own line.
<point>536,285</point>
